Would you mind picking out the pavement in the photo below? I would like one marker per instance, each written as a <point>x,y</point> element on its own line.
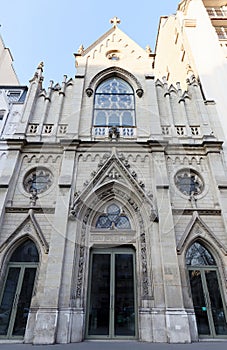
<point>120,345</point>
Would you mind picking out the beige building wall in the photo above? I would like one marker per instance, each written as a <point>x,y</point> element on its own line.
<point>7,73</point>
<point>187,44</point>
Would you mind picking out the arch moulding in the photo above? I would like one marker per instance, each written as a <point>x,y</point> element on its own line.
<point>121,73</point>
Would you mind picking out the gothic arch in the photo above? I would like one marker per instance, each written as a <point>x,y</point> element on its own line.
<point>114,71</point>
<point>13,245</point>
<point>85,215</point>
<point>198,231</point>
<point>29,228</point>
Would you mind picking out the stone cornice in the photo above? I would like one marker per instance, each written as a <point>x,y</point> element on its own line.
<point>209,212</point>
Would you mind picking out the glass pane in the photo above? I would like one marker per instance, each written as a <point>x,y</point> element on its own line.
<point>124,320</point>
<point>8,299</point>
<point>197,255</point>
<point>26,252</point>
<point>200,306</point>
<point>99,310</point>
<point>102,101</point>
<point>216,303</point>
<point>100,118</point>
<point>103,222</point>
<point>123,222</point>
<point>126,101</point>
<point>127,119</point>
<point>114,85</point>
<point>24,302</point>
<point>114,120</point>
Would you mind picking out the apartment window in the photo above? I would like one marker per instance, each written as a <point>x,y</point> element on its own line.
<point>221,32</point>
<point>217,11</point>
<point>14,96</point>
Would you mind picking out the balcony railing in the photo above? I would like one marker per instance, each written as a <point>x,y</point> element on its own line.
<point>217,12</point>
<point>114,132</point>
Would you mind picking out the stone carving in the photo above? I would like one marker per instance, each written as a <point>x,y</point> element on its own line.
<point>115,21</point>
<point>111,71</point>
<point>29,227</point>
<point>114,133</point>
<point>146,282</point>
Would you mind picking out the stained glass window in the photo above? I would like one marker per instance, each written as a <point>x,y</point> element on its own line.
<point>114,103</point>
<point>38,180</point>
<point>26,252</point>
<point>113,218</point>
<point>198,255</point>
<point>188,182</point>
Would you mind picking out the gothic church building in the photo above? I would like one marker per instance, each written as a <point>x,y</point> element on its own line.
<point>113,204</point>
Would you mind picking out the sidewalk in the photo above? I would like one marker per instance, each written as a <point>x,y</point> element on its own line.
<point>103,345</point>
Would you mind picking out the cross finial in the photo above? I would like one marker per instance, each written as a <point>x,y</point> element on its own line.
<point>115,21</point>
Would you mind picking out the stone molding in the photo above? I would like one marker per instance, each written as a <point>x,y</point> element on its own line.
<point>106,73</point>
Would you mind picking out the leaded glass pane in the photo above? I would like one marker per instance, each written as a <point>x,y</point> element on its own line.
<point>114,120</point>
<point>103,222</point>
<point>26,252</point>
<point>38,180</point>
<point>188,182</point>
<point>100,118</point>
<point>114,85</point>
<point>113,219</point>
<point>127,119</point>
<point>197,255</point>
<point>123,222</point>
<point>115,98</point>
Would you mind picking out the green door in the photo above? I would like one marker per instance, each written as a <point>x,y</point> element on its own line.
<point>112,301</point>
<point>16,294</point>
<point>207,296</point>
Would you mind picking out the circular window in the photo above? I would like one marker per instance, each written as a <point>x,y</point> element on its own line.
<point>38,180</point>
<point>189,182</point>
<point>113,55</point>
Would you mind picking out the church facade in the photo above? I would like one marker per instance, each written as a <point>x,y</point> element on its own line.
<point>113,205</point>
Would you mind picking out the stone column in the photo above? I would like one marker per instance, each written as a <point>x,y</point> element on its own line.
<point>47,314</point>
<point>177,326</point>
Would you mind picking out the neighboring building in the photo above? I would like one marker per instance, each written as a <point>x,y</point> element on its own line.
<point>194,41</point>
<point>113,194</point>
<point>7,73</point>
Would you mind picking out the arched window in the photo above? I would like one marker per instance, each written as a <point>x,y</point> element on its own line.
<point>198,255</point>
<point>114,104</point>
<point>26,252</point>
<point>206,292</point>
<point>16,295</point>
<point>113,218</point>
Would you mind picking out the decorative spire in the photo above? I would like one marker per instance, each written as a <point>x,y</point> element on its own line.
<point>38,74</point>
<point>148,49</point>
<point>115,21</point>
<point>81,49</point>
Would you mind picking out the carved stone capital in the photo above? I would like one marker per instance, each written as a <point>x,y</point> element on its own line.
<point>89,92</point>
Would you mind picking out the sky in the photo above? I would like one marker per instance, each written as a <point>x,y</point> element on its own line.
<point>52,30</point>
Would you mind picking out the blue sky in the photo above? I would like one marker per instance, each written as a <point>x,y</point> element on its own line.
<point>52,30</point>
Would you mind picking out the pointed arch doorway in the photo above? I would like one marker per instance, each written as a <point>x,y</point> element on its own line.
<point>112,294</point>
<point>207,294</point>
<point>15,298</point>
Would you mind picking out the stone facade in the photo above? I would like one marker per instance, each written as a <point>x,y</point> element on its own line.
<point>182,47</point>
<point>7,73</point>
<point>74,187</point>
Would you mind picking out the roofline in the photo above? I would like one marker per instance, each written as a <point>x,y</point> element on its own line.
<point>13,87</point>
<point>159,25</point>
